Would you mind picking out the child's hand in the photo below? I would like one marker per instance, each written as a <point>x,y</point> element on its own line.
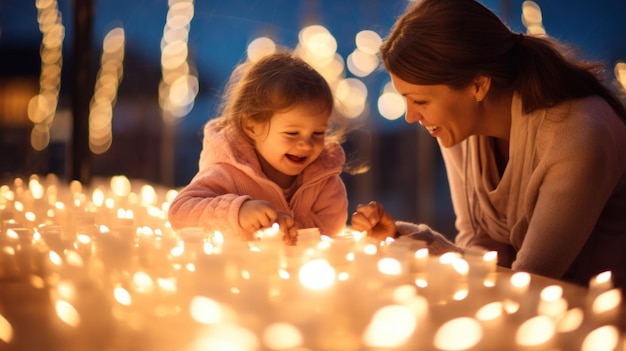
<point>289,228</point>
<point>255,215</point>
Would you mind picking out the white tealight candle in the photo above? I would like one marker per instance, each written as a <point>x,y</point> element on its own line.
<point>552,303</point>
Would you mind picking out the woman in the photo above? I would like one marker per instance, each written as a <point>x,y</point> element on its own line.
<point>534,144</point>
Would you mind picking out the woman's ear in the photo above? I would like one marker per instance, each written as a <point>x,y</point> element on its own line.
<point>481,87</point>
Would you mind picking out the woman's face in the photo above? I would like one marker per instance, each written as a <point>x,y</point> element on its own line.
<point>447,114</point>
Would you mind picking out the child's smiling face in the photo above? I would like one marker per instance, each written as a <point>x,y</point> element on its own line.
<point>291,141</point>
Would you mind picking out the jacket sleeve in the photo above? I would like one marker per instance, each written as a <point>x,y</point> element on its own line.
<point>329,213</point>
<point>209,202</point>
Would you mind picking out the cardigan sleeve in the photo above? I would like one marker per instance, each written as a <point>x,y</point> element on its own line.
<point>575,177</point>
<point>210,202</point>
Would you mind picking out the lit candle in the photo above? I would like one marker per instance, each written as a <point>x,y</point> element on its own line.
<point>552,303</point>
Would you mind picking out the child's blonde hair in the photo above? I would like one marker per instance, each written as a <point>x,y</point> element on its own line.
<point>274,83</point>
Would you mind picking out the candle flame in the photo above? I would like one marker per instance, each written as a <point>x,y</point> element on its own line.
<point>370,249</point>
<point>604,338</point>
<point>120,185</point>
<point>122,296</point>
<point>19,206</point>
<point>421,253</point>
<point>535,331</point>
<point>460,294</point>
<point>6,330</point>
<point>571,320</point>
<point>67,313</point>
<point>510,306</point>
<point>421,282</point>
<point>551,293</point>
<point>490,256</point>
<point>389,266</point>
<point>167,284</point>
<point>390,326</point>
<point>282,336</point>
<point>458,334</point>
<point>55,258</point>
<point>12,234</point>
<point>520,279</point>
<point>143,283</point>
<point>607,301</point>
<point>316,274</point>
<point>460,266</point>
<point>602,279</point>
<point>73,258</point>
<point>205,310</point>
<point>97,197</point>
<point>448,257</point>
<point>490,311</point>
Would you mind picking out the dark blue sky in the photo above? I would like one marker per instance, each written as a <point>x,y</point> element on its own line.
<point>221,29</point>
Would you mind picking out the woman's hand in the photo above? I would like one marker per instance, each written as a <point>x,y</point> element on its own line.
<point>373,219</point>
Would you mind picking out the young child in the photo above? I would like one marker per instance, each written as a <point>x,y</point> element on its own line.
<point>269,157</point>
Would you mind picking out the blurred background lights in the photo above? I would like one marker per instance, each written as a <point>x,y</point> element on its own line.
<point>260,47</point>
<point>361,64</point>
<point>351,94</point>
<point>620,74</point>
<point>318,43</point>
<point>368,42</point>
<point>105,91</point>
<point>391,105</point>
<point>179,85</point>
<point>532,18</point>
<point>42,107</point>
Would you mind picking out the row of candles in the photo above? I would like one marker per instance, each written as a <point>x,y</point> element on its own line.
<point>108,262</point>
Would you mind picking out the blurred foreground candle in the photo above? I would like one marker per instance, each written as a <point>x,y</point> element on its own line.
<point>187,288</point>
<point>552,303</point>
<point>445,277</point>
<point>599,284</point>
<point>517,285</point>
<point>482,262</point>
<point>308,237</point>
<point>606,306</point>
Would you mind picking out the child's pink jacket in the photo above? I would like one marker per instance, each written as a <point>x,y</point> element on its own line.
<point>230,173</point>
